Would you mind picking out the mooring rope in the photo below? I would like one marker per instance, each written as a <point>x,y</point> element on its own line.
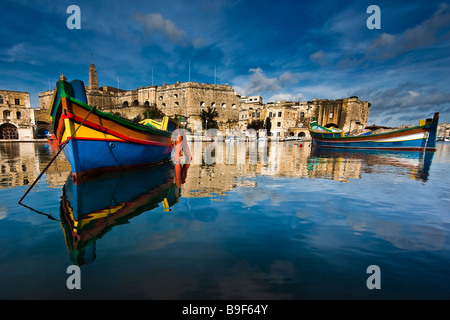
<point>53,159</point>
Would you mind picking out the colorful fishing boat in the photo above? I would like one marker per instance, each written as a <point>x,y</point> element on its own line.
<point>418,138</point>
<point>94,141</point>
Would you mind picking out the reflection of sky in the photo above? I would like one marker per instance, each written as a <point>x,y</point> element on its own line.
<point>384,209</point>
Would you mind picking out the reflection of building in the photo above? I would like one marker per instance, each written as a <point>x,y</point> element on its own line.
<point>18,164</point>
<point>16,116</point>
<point>21,163</point>
<point>183,99</point>
<point>216,167</point>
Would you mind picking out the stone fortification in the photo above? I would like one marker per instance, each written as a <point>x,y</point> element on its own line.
<point>186,99</point>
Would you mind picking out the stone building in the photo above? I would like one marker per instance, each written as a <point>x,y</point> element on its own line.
<point>293,118</point>
<point>443,131</point>
<point>186,99</point>
<point>16,116</point>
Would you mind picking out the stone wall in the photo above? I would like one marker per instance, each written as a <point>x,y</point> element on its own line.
<point>16,115</point>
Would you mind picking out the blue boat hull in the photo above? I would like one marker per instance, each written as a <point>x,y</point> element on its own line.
<point>398,145</point>
<point>96,156</point>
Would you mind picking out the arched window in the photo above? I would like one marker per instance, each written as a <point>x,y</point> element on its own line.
<point>163,105</point>
<point>125,104</point>
<point>146,104</point>
<point>224,105</point>
<point>8,131</point>
<point>213,104</point>
<point>177,104</point>
<point>202,104</point>
<point>135,103</point>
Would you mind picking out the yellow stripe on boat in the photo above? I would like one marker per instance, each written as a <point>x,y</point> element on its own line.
<point>85,132</point>
<point>101,214</point>
<point>156,124</point>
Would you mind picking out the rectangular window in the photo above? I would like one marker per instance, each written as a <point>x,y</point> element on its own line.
<point>279,114</point>
<point>278,124</point>
<point>17,102</point>
<point>331,115</point>
<point>270,114</point>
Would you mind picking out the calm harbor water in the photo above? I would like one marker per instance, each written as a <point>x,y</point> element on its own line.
<point>264,221</point>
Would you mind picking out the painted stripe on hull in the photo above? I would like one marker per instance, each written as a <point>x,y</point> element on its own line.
<point>90,155</point>
<point>90,130</point>
<point>417,144</point>
<point>417,136</point>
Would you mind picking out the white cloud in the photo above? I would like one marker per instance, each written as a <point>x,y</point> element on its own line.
<point>288,78</point>
<point>319,58</point>
<point>407,101</point>
<point>258,83</point>
<point>286,96</point>
<point>155,24</point>
<point>427,33</point>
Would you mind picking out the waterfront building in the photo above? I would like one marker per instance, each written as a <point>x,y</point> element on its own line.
<point>443,131</point>
<point>16,116</point>
<point>186,99</point>
<point>293,118</point>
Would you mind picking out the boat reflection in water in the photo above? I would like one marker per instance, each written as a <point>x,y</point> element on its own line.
<point>90,209</point>
<point>417,164</point>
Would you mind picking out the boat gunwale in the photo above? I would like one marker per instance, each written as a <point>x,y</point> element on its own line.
<point>359,137</point>
<point>120,120</point>
<point>118,136</point>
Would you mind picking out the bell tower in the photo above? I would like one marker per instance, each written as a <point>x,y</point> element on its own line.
<point>93,82</point>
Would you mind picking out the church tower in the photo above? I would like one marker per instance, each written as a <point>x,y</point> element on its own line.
<point>93,82</point>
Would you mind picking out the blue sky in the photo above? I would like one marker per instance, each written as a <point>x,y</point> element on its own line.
<point>282,50</point>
